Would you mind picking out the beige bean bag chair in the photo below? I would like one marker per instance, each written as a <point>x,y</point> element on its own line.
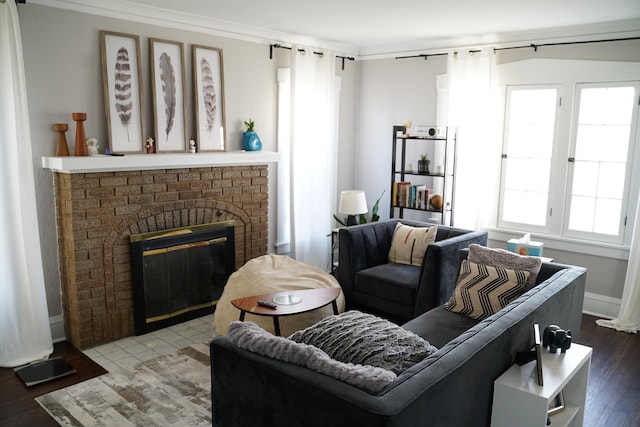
<point>268,274</point>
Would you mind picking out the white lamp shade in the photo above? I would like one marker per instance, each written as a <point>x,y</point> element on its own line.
<point>353,202</point>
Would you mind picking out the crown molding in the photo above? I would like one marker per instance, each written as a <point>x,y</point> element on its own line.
<point>131,11</point>
<point>591,32</point>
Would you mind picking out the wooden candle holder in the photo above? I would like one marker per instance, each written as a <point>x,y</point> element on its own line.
<point>81,140</point>
<point>62,149</point>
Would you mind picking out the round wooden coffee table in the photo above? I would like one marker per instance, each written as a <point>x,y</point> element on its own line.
<point>287,303</point>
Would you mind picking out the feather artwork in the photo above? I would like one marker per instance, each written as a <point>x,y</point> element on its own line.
<point>122,86</point>
<point>168,89</point>
<point>208,93</point>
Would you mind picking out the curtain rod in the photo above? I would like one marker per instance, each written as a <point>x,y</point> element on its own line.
<point>427,55</point>
<point>534,46</point>
<point>279,46</point>
<point>422,55</point>
<point>350,58</point>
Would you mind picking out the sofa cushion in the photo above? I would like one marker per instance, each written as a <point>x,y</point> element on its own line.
<point>410,243</point>
<point>359,338</point>
<point>505,259</point>
<point>440,326</point>
<point>483,290</point>
<point>394,282</point>
<point>251,337</point>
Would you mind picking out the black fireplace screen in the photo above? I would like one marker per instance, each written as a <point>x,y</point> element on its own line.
<point>179,274</point>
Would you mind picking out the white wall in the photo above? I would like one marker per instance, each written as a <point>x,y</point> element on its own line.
<point>391,92</point>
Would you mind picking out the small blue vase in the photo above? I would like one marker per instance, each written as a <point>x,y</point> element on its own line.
<point>251,141</point>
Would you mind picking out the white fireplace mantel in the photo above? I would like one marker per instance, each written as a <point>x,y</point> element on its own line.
<point>129,162</point>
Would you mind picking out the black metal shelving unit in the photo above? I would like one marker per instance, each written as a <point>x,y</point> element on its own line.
<point>441,143</point>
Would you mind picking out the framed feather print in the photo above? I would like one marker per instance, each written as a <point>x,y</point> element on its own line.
<point>168,83</point>
<point>208,78</point>
<point>122,88</point>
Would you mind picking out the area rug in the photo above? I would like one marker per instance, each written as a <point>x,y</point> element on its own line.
<point>166,391</point>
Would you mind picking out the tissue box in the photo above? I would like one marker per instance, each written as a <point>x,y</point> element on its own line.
<point>531,249</point>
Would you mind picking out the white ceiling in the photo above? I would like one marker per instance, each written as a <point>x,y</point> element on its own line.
<point>375,26</point>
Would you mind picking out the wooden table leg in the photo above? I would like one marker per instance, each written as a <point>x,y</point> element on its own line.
<point>276,325</point>
<point>335,307</point>
<point>242,313</point>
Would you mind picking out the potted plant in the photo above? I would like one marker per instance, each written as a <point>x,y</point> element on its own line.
<point>250,139</point>
<point>423,164</point>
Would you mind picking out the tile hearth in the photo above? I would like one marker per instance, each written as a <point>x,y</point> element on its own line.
<point>128,352</point>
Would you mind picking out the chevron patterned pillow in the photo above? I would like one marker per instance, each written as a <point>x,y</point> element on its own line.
<point>483,290</point>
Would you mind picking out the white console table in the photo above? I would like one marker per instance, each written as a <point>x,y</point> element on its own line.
<point>518,400</point>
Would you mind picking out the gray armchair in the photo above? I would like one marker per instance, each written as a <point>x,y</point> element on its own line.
<point>370,282</point>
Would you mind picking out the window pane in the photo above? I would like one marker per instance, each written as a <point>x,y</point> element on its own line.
<point>529,128</point>
<point>605,211</point>
<point>601,150</point>
<point>611,180</point>
<point>606,105</point>
<point>582,213</point>
<point>513,202</point>
<point>585,179</point>
<point>617,100</point>
<point>525,207</point>
<point>535,208</point>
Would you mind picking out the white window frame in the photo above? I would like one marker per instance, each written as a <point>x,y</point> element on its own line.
<point>561,170</point>
<point>551,226</point>
<point>627,208</point>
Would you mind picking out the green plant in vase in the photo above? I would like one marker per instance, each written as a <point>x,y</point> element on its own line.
<point>250,139</point>
<point>250,125</point>
<point>423,164</point>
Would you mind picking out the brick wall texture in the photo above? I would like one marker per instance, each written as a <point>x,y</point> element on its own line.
<point>97,212</point>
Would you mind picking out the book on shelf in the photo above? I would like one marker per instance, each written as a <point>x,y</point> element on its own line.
<point>402,193</point>
<point>406,195</point>
<point>423,197</point>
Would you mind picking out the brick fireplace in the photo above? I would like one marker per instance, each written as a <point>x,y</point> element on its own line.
<point>98,211</point>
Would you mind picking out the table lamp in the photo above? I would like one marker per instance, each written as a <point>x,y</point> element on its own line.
<point>352,203</point>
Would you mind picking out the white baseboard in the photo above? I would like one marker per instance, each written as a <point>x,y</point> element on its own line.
<point>56,323</point>
<point>283,248</point>
<point>601,305</point>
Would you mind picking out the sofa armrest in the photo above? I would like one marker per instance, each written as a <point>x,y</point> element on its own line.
<point>360,247</point>
<point>440,267</point>
<point>270,392</point>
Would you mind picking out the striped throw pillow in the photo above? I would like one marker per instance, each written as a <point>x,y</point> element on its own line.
<point>410,243</point>
<point>483,290</point>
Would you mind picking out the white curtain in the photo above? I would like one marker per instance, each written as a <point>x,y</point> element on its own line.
<point>313,155</point>
<point>25,335</point>
<point>470,105</point>
<point>628,319</point>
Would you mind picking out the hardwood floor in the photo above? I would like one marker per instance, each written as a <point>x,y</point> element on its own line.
<point>17,404</point>
<point>612,397</point>
<point>613,394</point>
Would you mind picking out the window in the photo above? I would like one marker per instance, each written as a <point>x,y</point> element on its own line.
<point>529,142</point>
<point>568,173</point>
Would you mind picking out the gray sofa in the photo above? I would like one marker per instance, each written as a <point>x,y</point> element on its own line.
<point>451,387</point>
<point>399,291</point>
